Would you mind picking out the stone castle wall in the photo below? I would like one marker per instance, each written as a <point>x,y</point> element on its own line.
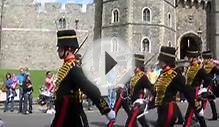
<point>192,19</point>
<point>29,36</point>
<point>217,28</point>
<point>169,21</point>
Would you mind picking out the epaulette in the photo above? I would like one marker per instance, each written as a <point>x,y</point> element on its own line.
<point>171,71</point>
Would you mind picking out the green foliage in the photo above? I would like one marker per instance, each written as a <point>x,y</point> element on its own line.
<point>37,78</point>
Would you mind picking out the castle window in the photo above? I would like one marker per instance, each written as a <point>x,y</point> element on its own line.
<point>114,44</point>
<point>145,45</point>
<point>115,15</point>
<point>169,44</point>
<point>169,20</point>
<point>41,7</point>
<point>62,23</point>
<point>146,14</point>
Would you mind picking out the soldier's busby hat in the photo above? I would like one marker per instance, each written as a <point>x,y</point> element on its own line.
<point>167,54</point>
<point>182,63</point>
<point>192,52</point>
<point>207,54</point>
<point>139,60</point>
<point>67,38</point>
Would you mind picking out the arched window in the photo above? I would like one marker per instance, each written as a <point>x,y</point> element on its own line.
<point>145,45</point>
<point>169,44</point>
<point>115,15</point>
<point>169,20</point>
<point>114,44</point>
<point>41,7</point>
<point>62,23</point>
<point>146,15</point>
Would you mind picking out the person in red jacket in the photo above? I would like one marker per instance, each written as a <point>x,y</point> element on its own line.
<point>168,83</point>
<point>70,78</point>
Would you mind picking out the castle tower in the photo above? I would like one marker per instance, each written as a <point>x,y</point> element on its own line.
<point>98,18</point>
<point>191,25</point>
<point>141,24</point>
<point>152,23</point>
<point>215,27</point>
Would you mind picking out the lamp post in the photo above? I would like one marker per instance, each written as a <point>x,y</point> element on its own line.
<point>76,23</point>
<point>199,32</point>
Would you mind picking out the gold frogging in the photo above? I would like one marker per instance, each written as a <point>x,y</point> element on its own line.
<point>63,72</point>
<point>162,83</point>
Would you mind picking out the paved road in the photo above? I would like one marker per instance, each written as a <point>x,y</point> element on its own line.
<point>39,119</point>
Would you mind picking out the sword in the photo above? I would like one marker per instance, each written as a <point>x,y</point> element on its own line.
<point>76,51</point>
<point>145,109</point>
<point>150,58</point>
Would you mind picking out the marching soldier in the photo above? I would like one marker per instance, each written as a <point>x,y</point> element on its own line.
<point>122,100</point>
<point>70,79</point>
<point>195,75</point>
<point>180,67</point>
<point>211,69</point>
<point>168,83</point>
<point>136,87</point>
<point>138,83</point>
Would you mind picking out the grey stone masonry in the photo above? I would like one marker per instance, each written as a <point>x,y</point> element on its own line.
<point>29,34</point>
<point>169,21</point>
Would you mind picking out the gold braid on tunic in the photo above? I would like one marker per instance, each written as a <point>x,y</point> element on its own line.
<point>135,79</point>
<point>63,72</point>
<point>161,85</point>
<point>191,73</point>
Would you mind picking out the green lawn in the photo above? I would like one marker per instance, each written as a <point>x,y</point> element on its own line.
<point>37,78</point>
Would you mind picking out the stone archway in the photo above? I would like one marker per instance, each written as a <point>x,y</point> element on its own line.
<point>189,40</point>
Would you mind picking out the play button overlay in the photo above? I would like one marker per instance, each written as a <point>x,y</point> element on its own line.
<point>108,63</point>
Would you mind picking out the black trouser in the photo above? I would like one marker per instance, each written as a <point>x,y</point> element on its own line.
<point>167,114</point>
<point>84,119</point>
<point>179,115</point>
<point>68,113</point>
<point>212,103</point>
<point>21,97</point>
<point>132,118</point>
<point>189,114</point>
<point>213,108</point>
<point>28,99</point>
<point>121,101</point>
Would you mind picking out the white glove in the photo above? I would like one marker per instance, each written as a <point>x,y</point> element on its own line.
<point>111,115</point>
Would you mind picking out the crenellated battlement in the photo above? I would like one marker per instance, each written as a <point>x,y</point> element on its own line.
<point>193,3</point>
<point>53,7</point>
<point>66,8</point>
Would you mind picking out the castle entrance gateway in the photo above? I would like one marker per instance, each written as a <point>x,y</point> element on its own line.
<point>189,40</point>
